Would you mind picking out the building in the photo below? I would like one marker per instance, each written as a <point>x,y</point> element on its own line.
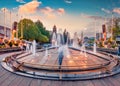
<point>99,36</point>
<point>104,32</point>
<point>8,32</point>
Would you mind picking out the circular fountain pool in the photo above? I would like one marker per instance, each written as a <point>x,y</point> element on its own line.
<point>75,65</point>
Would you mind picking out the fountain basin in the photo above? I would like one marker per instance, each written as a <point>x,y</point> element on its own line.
<point>77,66</point>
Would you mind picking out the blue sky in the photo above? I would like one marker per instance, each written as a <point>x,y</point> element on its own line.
<point>75,6</point>
<point>74,15</point>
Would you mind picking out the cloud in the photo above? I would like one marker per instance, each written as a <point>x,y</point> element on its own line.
<point>52,13</point>
<point>116,10</point>
<point>68,1</point>
<point>33,6</point>
<point>4,10</point>
<point>30,7</point>
<point>61,11</point>
<point>20,1</point>
<point>96,17</point>
<point>105,10</point>
<point>84,15</point>
<point>48,11</point>
<point>91,16</point>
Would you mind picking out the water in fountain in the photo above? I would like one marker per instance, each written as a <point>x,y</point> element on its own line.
<point>31,48</point>
<point>46,52</point>
<point>66,51</point>
<point>54,40</point>
<point>94,48</point>
<point>83,50</point>
<point>60,56</point>
<point>59,38</point>
<point>34,47</point>
<point>75,40</point>
<point>45,56</point>
<point>63,50</point>
<point>27,47</point>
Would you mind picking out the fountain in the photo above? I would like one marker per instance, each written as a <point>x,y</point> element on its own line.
<point>75,40</point>
<point>83,50</point>
<point>63,63</point>
<point>27,47</point>
<point>34,47</point>
<point>60,56</point>
<point>54,40</point>
<point>94,48</point>
<point>59,38</point>
<point>45,57</point>
<point>46,52</point>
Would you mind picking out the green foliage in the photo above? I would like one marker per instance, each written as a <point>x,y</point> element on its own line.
<point>116,28</point>
<point>42,29</point>
<point>42,38</point>
<point>10,44</point>
<point>91,41</point>
<point>2,45</point>
<point>100,44</point>
<point>30,31</point>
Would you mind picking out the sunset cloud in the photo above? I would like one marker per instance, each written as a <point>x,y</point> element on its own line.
<point>34,6</point>
<point>52,13</point>
<point>116,10</point>
<point>96,17</point>
<point>4,10</point>
<point>48,11</point>
<point>30,7</point>
<point>91,16</point>
<point>61,11</point>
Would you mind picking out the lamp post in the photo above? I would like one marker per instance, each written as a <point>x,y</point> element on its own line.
<point>4,10</point>
<point>118,42</point>
<point>11,25</point>
<point>21,28</point>
<point>17,26</point>
<point>112,28</point>
<point>94,46</point>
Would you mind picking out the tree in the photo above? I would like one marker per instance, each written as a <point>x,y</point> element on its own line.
<point>115,28</point>
<point>30,31</point>
<point>42,29</point>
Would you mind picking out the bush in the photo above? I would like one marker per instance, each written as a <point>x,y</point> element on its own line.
<point>16,44</point>
<point>6,41</point>
<point>10,44</point>
<point>2,45</point>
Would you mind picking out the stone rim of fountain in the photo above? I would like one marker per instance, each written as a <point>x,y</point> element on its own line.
<point>62,75</point>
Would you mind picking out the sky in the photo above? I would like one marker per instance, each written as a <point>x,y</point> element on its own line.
<point>85,16</point>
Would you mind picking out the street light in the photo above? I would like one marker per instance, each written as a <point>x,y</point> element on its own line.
<point>112,27</point>
<point>11,24</point>
<point>94,47</point>
<point>17,26</point>
<point>21,28</point>
<point>4,10</point>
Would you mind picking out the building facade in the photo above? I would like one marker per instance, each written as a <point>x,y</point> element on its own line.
<point>7,33</point>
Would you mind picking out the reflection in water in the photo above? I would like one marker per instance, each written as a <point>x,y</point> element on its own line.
<point>74,59</point>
